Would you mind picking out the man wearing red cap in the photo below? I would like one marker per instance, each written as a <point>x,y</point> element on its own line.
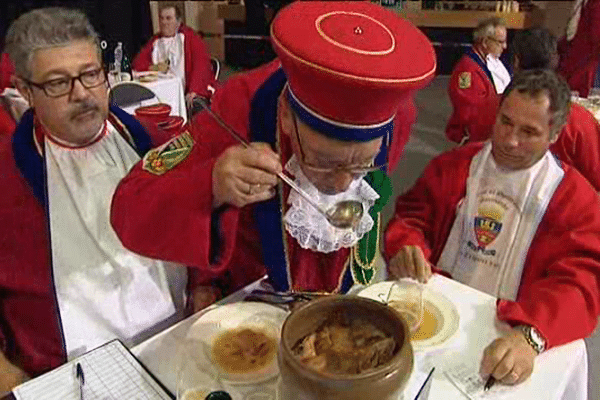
<point>323,113</point>
<point>179,50</point>
<point>472,90</point>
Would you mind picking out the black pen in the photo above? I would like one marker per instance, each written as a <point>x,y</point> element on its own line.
<point>489,383</point>
<point>80,379</point>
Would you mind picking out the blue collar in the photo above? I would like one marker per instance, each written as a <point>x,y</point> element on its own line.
<point>475,57</point>
<point>31,163</point>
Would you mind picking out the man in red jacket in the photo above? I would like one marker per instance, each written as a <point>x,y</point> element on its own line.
<point>179,50</point>
<point>471,88</point>
<point>324,112</point>
<point>580,51</point>
<point>506,218</point>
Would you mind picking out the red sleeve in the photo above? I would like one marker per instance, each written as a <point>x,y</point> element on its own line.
<point>200,73</point>
<point>578,144</point>
<point>143,60</point>
<point>170,216</point>
<point>424,215</point>
<point>6,71</point>
<point>559,292</point>
<point>7,123</point>
<point>474,107</point>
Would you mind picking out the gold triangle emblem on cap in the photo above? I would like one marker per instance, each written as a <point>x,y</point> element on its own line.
<point>169,155</point>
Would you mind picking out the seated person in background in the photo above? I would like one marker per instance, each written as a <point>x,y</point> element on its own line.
<point>321,112</point>
<point>580,49</point>
<point>472,89</point>
<point>578,144</point>
<point>506,218</point>
<point>179,50</point>
<point>67,284</point>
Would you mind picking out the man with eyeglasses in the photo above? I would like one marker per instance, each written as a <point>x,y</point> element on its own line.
<point>323,114</point>
<point>476,80</point>
<point>67,284</point>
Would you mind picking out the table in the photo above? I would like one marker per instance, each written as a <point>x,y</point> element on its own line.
<point>560,373</point>
<point>168,89</point>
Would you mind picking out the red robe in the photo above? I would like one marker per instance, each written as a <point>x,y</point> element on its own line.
<point>198,70</point>
<point>7,123</point>
<point>578,144</point>
<point>233,255</point>
<point>6,71</point>
<point>30,331</point>
<point>475,106</point>
<point>559,292</point>
<point>580,57</point>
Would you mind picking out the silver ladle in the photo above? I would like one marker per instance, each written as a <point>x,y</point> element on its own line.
<point>344,214</point>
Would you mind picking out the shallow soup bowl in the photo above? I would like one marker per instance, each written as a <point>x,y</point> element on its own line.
<point>384,382</point>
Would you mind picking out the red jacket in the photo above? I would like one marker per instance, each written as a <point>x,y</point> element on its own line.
<point>198,69</point>
<point>30,330</point>
<point>226,244</point>
<point>580,57</point>
<point>560,286</point>
<point>6,71</point>
<point>474,100</point>
<point>578,144</point>
<point>7,123</point>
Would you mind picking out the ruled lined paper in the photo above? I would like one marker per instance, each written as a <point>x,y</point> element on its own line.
<point>110,371</point>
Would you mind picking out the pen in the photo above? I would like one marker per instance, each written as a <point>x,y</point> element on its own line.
<point>489,383</point>
<point>80,379</point>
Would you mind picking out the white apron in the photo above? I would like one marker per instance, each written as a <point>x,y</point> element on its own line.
<point>496,222</point>
<point>171,49</point>
<point>499,73</point>
<point>104,291</point>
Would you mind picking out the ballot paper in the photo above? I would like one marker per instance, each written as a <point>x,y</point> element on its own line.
<point>110,371</point>
<point>466,378</point>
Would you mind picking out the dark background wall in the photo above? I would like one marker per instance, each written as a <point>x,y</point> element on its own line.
<point>126,21</point>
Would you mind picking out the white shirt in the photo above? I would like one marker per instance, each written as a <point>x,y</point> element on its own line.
<point>499,73</point>
<point>104,291</point>
<point>171,49</point>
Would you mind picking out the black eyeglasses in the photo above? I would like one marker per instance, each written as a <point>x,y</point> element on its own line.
<point>501,42</point>
<point>62,86</point>
<point>354,170</point>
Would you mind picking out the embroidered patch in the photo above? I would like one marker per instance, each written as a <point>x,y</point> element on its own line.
<point>464,80</point>
<point>166,157</point>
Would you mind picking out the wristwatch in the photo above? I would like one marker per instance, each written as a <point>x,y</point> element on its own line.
<point>533,337</point>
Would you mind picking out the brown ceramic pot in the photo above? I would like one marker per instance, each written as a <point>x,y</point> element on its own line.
<point>385,382</point>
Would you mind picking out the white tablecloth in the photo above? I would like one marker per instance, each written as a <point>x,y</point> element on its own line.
<point>169,90</point>
<point>560,373</point>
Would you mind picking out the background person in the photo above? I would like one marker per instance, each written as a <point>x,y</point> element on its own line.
<point>179,50</point>
<point>472,89</point>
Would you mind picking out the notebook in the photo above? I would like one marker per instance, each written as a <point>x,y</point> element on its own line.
<point>110,371</point>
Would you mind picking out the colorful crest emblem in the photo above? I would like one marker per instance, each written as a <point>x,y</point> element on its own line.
<point>486,230</point>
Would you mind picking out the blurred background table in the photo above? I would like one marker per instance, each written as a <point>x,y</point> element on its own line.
<point>168,89</point>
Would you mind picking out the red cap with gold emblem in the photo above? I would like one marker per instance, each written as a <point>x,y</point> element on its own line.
<point>350,65</point>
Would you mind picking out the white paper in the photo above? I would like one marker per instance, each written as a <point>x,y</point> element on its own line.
<point>466,378</point>
<point>110,371</point>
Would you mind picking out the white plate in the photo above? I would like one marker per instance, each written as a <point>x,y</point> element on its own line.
<point>445,312</point>
<point>208,327</point>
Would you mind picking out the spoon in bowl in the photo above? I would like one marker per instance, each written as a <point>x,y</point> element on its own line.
<point>344,214</point>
